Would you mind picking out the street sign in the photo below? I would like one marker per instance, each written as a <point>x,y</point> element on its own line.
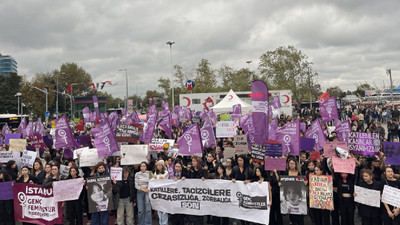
<point>56,112</point>
<point>47,114</point>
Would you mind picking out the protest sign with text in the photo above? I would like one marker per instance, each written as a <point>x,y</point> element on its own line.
<point>17,145</point>
<point>128,133</point>
<point>64,170</point>
<point>211,197</point>
<point>257,153</point>
<point>134,154</point>
<point>28,158</point>
<point>116,173</point>
<point>364,143</point>
<point>89,158</point>
<point>329,147</point>
<point>391,195</point>
<point>321,192</point>
<point>367,196</point>
<point>37,141</point>
<point>67,190</point>
<point>229,153</point>
<point>225,129</point>
<point>273,148</point>
<point>10,136</point>
<point>343,165</point>
<point>6,156</point>
<point>392,152</point>
<point>275,164</point>
<point>158,144</point>
<point>240,142</point>
<point>100,186</point>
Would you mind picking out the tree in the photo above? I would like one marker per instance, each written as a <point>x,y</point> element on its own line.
<point>336,92</point>
<point>205,80</point>
<point>237,80</point>
<point>9,87</point>
<point>74,75</point>
<point>289,68</point>
<point>362,87</point>
<point>152,96</point>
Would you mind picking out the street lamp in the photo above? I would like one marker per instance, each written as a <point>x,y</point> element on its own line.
<point>137,95</point>
<point>170,43</point>
<point>389,72</point>
<point>22,108</point>
<point>248,64</point>
<point>72,98</point>
<point>18,95</point>
<point>46,91</point>
<point>126,100</point>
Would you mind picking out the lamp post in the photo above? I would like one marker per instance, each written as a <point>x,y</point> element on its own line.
<point>248,64</point>
<point>22,108</point>
<point>18,96</point>
<point>72,98</point>
<point>170,43</point>
<point>126,81</point>
<point>137,95</point>
<point>46,91</point>
<point>389,72</point>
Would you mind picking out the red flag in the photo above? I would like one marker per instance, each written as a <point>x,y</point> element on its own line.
<point>91,83</point>
<point>69,88</point>
<point>323,97</point>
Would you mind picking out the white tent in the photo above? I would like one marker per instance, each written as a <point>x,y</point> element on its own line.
<point>231,99</point>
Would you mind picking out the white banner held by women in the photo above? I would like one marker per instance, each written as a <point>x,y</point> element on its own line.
<point>211,197</point>
<point>67,190</point>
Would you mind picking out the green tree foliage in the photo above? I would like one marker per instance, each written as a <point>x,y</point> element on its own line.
<point>9,86</point>
<point>288,68</point>
<point>237,80</point>
<point>362,87</point>
<point>336,92</point>
<point>71,73</point>
<point>206,80</point>
<point>155,95</point>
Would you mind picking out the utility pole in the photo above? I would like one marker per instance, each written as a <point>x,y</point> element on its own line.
<point>389,72</point>
<point>170,43</point>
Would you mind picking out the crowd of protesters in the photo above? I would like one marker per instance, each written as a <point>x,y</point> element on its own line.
<point>131,194</point>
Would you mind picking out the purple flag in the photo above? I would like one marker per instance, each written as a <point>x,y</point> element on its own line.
<point>11,136</point>
<point>276,103</point>
<point>165,106</point>
<point>63,134</point>
<point>213,117</point>
<point>96,106</point>
<point>207,134</point>
<point>92,117</point>
<point>83,140</point>
<point>165,122</point>
<point>328,110</point>
<point>48,140</point>
<point>392,150</point>
<point>243,121</point>
<point>315,131</point>
<point>5,130</point>
<point>39,127</point>
<point>104,139</point>
<point>28,130</point>
<point>6,190</point>
<point>289,137</point>
<point>307,144</point>
<point>190,142</point>
<point>148,130</point>
<point>134,117</point>
<point>22,126</point>
<point>259,98</point>
<point>237,109</point>
<point>113,120</point>
<point>272,129</point>
<point>175,119</point>
<point>343,129</point>
<point>86,114</point>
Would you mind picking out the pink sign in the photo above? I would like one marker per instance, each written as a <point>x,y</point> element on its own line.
<point>275,164</point>
<point>314,156</point>
<point>343,165</point>
<point>329,148</point>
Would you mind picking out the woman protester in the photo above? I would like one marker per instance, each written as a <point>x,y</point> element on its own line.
<point>6,206</point>
<point>261,177</point>
<point>369,215</point>
<point>321,216</point>
<point>160,172</point>
<point>25,177</point>
<point>74,207</point>
<point>54,176</point>
<point>125,195</point>
<point>12,169</point>
<point>143,201</point>
<point>345,188</point>
<point>38,171</point>
<point>220,174</point>
<point>179,172</point>
<point>390,214</point>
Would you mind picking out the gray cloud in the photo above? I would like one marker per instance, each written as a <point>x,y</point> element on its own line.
<point>348,41</point>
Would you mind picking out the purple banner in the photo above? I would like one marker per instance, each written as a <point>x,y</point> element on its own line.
<point>166,122</point>
<point>86,114</point>
<point>5,130</point>
<point>260,98</point>
<point>22,126</point>
<point>39,128</point>
<point>276,103</point>
<point>11,136</point>
<point>190,142</point>
<point>272,129</point>
<point>207,134</point>
<point>6,190</point>
<point>83,140</point>
<point>343,129</point>
<point>307,144</point>
<point>364,143</point>
<point>289,137</point>
<point>237,109</point>
<point>48,140</point>
<point>28,130</point>
<point>96,106</point>
<point>104,139</point>
<point>273,149</point>
<point>315,131</point>
<point>392,153</point>
<point>328,110</point>
<point>303,127</point>
<point>148,130</point>
<point>63,134</point>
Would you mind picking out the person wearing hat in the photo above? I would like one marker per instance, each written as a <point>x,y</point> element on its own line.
<point>160,172</point>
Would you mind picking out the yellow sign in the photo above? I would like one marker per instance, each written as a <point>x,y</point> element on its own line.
<point>53,124</point>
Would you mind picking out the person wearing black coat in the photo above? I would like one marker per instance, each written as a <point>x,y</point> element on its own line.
<point>6,206</point>
<point>12,169</point>
<point>369,215</point>
<point>74,208</point>
<point>125,196</point>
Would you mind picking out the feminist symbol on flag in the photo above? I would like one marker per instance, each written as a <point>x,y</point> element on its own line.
<point>188,139</point>
<point>329,109</point>
<point>287,140</point>
<point>205,135</point>
<point>63,135</point>
<point>315,136</point>
<point>106,141</point>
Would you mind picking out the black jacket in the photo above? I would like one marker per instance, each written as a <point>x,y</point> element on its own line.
<point>118,186</point>
<point>248,173</point>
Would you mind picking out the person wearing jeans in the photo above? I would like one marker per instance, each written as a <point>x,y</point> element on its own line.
<point>143,201</point>
<point>125,196</point>
<point>161,173</point>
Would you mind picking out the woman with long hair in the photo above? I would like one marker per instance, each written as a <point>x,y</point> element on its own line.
<point>160,172</point>
<point>38,171</point>
<point>390,214</point>
<point>369,215</point>
<point>143,202</point>
<point>12,169</point>
<point>101,217</point>
<point>25,177</point>
<point>74,207</point>
<point>345,189</point>
<point>125,196</point>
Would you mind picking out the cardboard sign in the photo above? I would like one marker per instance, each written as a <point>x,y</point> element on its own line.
<point>295,204</point>
<point>240,142</point>
<point>321,192</point>
<point>79,151</point>
<point>134,154</point>
<point>275,164</point>
<point>229,153</point>
<point>367,196</point>
<point>391,195</point>
<point>37,141</point>
<point>329,148</point>
<point>28,158</point>
<point>116,173</point>
<point>343,165</point>
<point>67,190</point>
<point>89,158</point>
<point>17,145</point>
<point>225,129</point>
<point>6,156</point>
<point>64,170</point>
<point>257,153</point>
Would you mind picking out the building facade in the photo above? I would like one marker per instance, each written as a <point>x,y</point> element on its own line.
<point>7,65</point>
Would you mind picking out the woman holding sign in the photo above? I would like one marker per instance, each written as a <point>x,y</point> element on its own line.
<point>143,202</point>
<point>369,215</point>
<point>125,196</point>
<point>74,207</point>
<point>161,173</point>
<point>390,214</point>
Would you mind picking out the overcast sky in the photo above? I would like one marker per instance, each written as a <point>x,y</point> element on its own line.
<point>348,41</point>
